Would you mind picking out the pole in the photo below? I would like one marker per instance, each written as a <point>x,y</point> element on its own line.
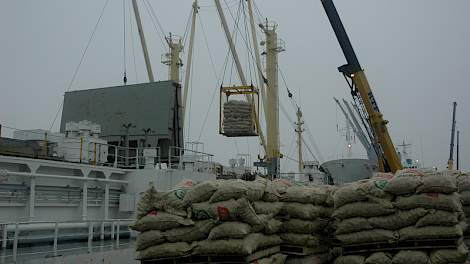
<point>187,75</point>
<point>450,163</point>
<point>458,150</point>
<point>238,64</point>
<point>257,55</point>
<point>299,131</point>
<point>142,40</point>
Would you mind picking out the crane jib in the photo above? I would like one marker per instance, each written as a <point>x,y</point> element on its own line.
<point>373,102</point>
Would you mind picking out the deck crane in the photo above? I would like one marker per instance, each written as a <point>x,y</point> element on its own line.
<point>450,162</point>
<point>388,160</point>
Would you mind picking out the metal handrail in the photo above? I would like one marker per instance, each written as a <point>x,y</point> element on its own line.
<point>115,233</point>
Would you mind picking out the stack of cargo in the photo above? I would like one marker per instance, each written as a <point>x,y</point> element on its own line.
<point>463,186</point>
<point>411,217</point>
<point>213,218</point>
<point>306,212</point>
<point>238,117</point>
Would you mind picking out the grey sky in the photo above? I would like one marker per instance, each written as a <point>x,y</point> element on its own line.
<point>415,54</point>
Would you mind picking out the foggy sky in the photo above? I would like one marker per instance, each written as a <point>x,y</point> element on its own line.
<point>415,54</point>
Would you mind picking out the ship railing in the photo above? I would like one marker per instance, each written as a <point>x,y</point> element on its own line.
<point>133,158</point>
<point>179,157</point>
<point>114,234</point>
<point>303,177</point>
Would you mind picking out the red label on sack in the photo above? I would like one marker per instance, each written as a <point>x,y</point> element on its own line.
<point>223,212</point>
<point>153,212</point>
<point>433,195</point>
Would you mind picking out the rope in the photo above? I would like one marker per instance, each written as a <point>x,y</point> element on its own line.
<point>81,61</point>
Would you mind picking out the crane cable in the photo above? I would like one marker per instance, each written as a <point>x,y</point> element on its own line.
<point>124,79</point>
<point>81,61</point>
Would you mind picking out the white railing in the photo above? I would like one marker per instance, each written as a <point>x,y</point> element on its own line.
<point>176,157</point>
<point>114,233</point>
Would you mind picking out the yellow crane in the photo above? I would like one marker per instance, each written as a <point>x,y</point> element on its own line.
<point>362,93</point>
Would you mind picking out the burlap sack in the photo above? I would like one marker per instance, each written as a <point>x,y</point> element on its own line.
<point>230,189</point>
<point>148,239</point>
<point>410,256</point>
<point>160,221</point>
<point>346,194</point>
<point>398,220</point>
<point>463,182</point>
<point>374,188</point>
<point>174,198</point>
<point>379,258</point>
<point>447,202</point>
<point>274,259</point>
<point>305,194</point>
<point>272,226</point>
<point>370,236</point>
<point>197,232</point>
<point>267,207</point>
<point>404,182</point>
<point>352,259</point>
<point>300,226</point>
<point>245,246</point>
<point>465,197</point>
<point>201,192</point>
<point>229,230</point>
<point>305,240</point>
<point>363,209</point>
<point>314,259</point>
<point>444,256</point>
<point>166,250</point>
<point>437,183</point>
<point>438,218</point>
<point>271,193</point>
<point>224,211</point>
<point>305,211</point>
<point>352,225</point>
<point>430,232</point>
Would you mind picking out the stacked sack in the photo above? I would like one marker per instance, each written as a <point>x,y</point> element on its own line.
<point>305,212</point>
<point>463,186</point>
<point>410,205</point>
<point>207,218</point>
<point>238,117</point>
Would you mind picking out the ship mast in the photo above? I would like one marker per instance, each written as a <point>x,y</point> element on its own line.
<point>142,40</point>
<point>273,47</point>
<point>299,131</point>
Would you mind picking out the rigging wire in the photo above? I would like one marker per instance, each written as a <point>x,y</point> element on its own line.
<point>81,61</point>
<point>158,29</point>
<point>124,40</point>
<point>132,43</point>
<point>214,71</point>
<point>245,41</point>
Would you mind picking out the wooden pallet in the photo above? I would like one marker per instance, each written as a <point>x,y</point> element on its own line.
<point>401,245</point>
<point>213,259</point>
<point>302,251</point>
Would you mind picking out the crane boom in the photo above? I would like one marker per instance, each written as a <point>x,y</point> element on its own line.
<point>361,90</point>
<point>450,162</point>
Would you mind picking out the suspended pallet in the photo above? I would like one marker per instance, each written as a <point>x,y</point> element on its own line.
<point>237,113</point>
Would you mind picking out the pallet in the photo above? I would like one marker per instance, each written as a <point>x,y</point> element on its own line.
<point>215,259</point>
<point>302,251</point>
<point>401,245</point>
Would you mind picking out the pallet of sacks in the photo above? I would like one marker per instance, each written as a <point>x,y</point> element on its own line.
<point>463,187</point>
<point>414,216</point>
<point>305,212</point>
<point>212,218</point>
